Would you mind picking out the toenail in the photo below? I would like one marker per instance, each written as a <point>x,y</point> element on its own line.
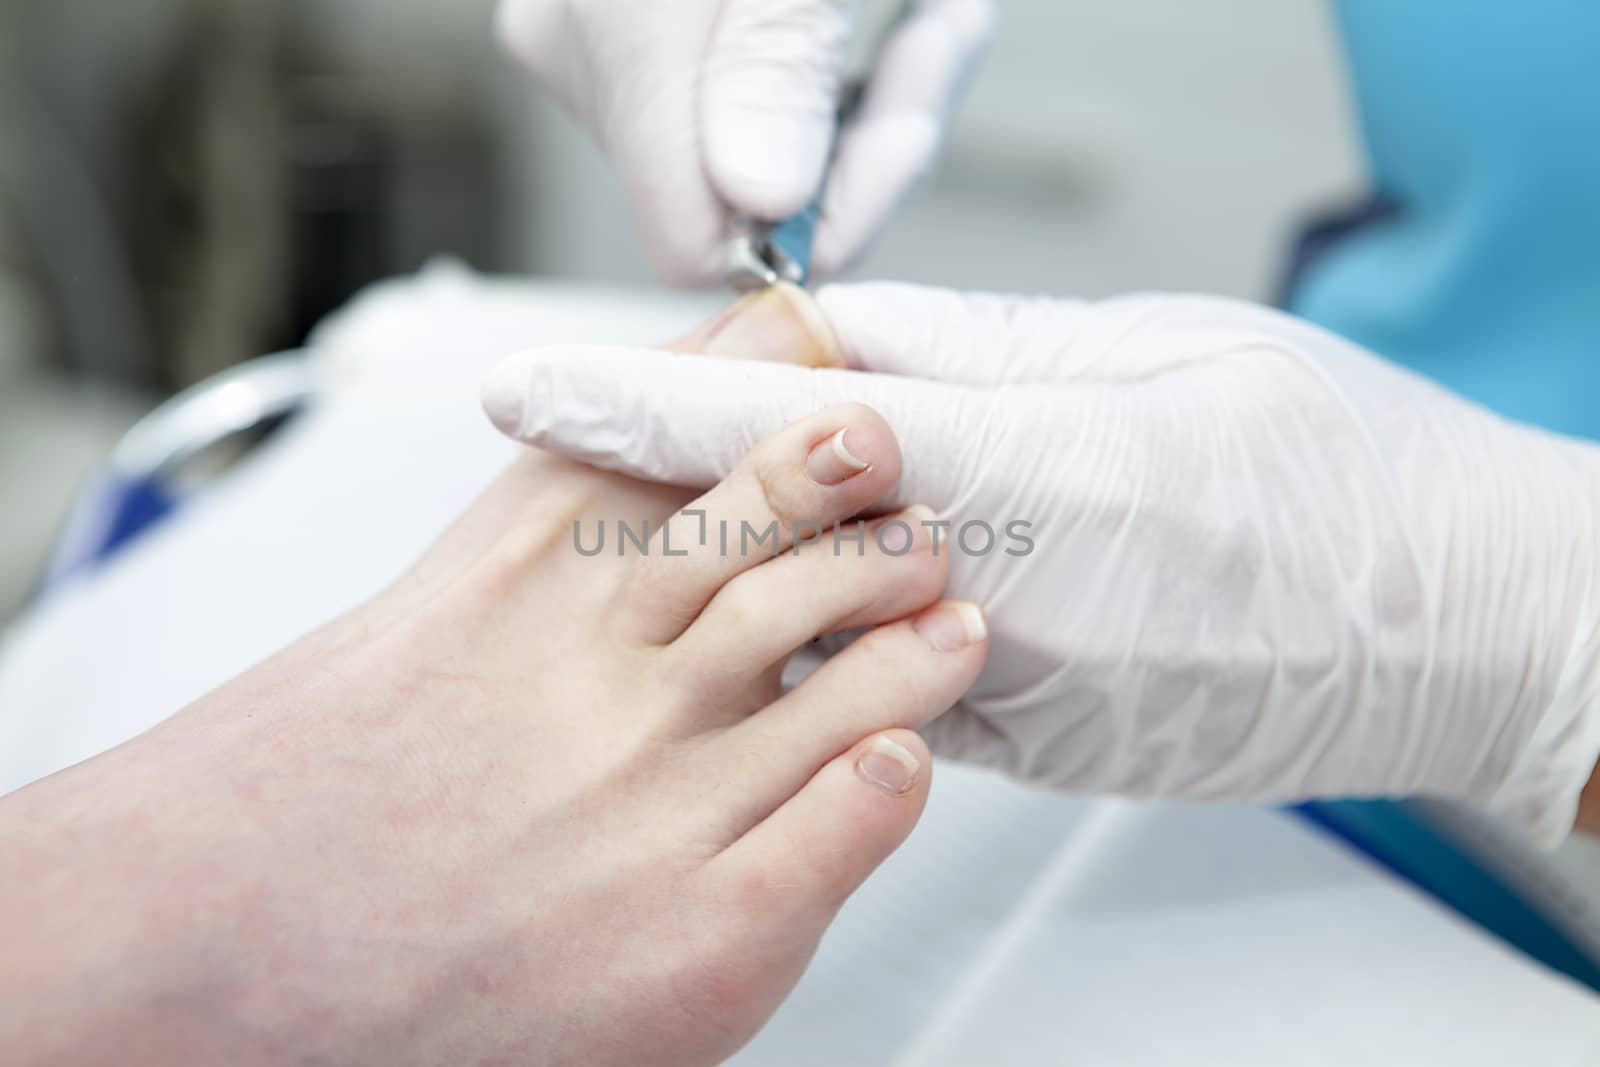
<point>889,766</point>
<point>952,626</point>
<point>831,462</point>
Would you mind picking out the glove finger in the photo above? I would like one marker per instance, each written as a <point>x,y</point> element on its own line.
<point>990,340</point>
<point>980,339</point>
<point>687,420</point>
<point>768,101</point>
<point>892,141</point>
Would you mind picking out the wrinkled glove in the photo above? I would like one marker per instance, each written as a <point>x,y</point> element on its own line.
<point>1265,565</point>
<point>710,108</point>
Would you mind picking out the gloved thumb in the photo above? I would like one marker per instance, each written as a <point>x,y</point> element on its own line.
<point>688,420</point>
<point>769,99</point>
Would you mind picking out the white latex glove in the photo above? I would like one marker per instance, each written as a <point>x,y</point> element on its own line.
<point>1268,565</point>
<point>710,108</point>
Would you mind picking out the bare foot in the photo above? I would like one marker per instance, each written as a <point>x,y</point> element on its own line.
<point>525,806</point>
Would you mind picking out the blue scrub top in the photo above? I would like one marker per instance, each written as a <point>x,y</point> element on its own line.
<point>1482,269</point>
<point>1477,264</point>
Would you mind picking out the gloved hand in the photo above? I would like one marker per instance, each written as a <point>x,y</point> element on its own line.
<point>710,108</point>
<point>1265,565</point>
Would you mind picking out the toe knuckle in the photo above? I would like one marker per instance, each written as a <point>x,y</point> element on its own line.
<point>787,496</point>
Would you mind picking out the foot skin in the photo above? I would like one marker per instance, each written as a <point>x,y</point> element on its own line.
<point>526,806</point>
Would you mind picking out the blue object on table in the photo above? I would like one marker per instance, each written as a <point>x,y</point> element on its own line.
<point>153,469</point>
<point>109,513</point>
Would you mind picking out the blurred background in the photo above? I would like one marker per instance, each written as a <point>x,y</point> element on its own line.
<point>188,183</point>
